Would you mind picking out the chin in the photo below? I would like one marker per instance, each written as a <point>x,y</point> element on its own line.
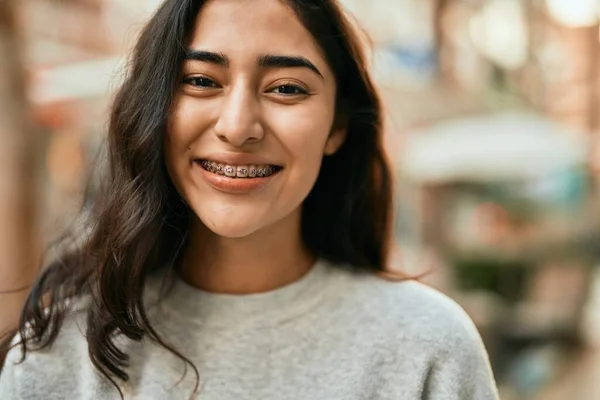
<point>231,227</point>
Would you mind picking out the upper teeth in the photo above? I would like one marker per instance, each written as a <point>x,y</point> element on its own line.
<point>238,171</point>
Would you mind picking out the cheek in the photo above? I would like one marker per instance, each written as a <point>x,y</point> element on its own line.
<point>303,131</point>
<point>184,124</point>
<point>177,141</point>
<point>302,134</point>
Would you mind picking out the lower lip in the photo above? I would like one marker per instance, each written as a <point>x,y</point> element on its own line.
<point>229,185</point>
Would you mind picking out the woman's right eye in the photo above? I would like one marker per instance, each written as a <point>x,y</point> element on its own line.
<point>200,82</point>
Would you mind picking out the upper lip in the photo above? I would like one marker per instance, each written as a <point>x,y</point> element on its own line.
<point>238,159</point>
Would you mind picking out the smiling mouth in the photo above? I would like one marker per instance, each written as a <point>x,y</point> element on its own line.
<point>240,171</point>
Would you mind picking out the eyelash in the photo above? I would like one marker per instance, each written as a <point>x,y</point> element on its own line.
<point>209,83</point>
<point>193,80</point>
<point>301,91</point>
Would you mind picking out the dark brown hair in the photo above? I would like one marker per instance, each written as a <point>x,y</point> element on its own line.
<point>137,223</point>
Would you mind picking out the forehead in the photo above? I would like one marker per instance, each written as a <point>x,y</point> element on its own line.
<point>241,28</point>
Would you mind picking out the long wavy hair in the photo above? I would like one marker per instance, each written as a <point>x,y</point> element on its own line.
<point>137,223</point>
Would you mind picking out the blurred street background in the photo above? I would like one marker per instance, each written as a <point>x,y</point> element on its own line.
<point>493,126</point>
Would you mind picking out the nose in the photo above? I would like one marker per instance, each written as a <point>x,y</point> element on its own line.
<point>238,122</point>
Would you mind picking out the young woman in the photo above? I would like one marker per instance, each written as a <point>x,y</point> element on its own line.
<point>238,247</point>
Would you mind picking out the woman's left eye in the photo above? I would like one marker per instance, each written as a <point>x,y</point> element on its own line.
<point>200,82</point>
<point>289,90</point>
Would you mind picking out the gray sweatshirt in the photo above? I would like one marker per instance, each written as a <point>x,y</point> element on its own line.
<point>333,335</point>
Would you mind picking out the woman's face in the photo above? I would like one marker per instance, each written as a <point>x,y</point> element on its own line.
<point>253,117</point>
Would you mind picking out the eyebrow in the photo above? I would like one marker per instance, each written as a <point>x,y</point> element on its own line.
<point>275,61</point>
<point>264,61</point>
<point>207,56</point>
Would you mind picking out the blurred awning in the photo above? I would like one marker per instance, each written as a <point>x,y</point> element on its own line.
<point>498,147</point>
<point>76,50</point>
<point>77,81</point>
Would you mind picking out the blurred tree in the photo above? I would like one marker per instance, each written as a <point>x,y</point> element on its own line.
<point>19,166</point>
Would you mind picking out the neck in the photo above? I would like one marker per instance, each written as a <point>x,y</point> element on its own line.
<point>265,260</point>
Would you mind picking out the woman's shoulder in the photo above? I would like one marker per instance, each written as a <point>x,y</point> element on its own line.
<point>417,331</point>
<point>410,310</point>
<point>65,359</point>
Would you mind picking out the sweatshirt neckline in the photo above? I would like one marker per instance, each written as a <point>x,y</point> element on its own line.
<point>266,308</point>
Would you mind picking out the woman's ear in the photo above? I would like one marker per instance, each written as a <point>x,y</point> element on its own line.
<point>336,138</point>
<point>335,141</point>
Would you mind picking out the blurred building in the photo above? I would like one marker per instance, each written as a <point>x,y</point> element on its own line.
<point>75,54</point>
